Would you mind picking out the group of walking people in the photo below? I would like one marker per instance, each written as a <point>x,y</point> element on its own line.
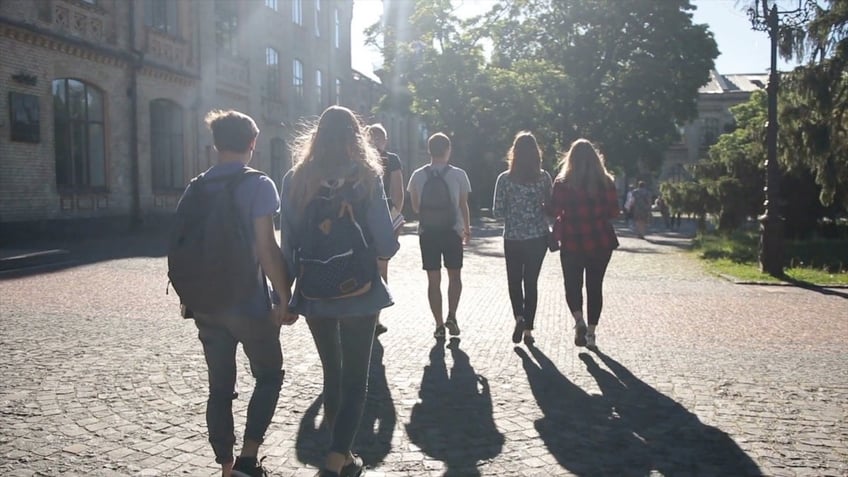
<point>571,212</point>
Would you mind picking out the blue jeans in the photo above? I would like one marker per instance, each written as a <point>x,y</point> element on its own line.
<point>260,339</point>
<point>344,346</point>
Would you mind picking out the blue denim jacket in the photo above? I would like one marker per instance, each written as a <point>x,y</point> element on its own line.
<point>379,223</point>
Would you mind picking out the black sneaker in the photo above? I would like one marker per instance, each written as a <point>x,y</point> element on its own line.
<point>354,469</point>
<point>439,334</point>
<point>580,333</point>
<point>249,467</point>
<point>518,330</point>
<point>380,329</point>
<point>452,326</point>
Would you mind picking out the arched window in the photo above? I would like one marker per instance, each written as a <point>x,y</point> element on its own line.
<point>80,142</point>
<point>297,12</point>
<point>272,73</point>
<point>166,144</point>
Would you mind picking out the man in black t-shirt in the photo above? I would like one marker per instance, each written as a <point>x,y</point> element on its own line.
<point>393,185</point>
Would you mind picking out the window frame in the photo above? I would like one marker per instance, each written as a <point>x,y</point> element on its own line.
<point>162,16</point>
<point>168,129</point>
<point>297,12</point>
<point>272,73</point>
<point>297,77</point>
<point>227,27</point>
<point>64,124</point>
<point>319,88</point>
<point>337,28</point>
<point>317,19</point>
<point>272,4</point>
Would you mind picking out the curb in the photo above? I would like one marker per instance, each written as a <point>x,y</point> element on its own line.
<point>41,258</point>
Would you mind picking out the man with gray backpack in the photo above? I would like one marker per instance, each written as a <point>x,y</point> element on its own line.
<point>439,194</point>
<point>221,249</point>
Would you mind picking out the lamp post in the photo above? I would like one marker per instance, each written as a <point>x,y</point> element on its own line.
<point>770,19</point>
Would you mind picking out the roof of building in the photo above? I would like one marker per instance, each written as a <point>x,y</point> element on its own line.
<point>745,83</point>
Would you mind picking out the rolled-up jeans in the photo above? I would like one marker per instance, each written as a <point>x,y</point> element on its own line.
<point>344,346</point>
<point>260,339</point>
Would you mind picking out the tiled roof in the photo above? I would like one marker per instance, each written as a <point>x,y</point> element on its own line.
<point>745,83</point>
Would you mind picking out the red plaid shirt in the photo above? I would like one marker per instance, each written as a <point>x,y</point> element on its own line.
<point>582,220</point>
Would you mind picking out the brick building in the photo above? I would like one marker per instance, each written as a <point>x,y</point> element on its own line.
<point>102,101</point>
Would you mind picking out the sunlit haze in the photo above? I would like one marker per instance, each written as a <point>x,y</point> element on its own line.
<point>743,50</point>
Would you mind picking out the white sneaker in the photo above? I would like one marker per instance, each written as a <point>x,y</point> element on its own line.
<point>590,342</point>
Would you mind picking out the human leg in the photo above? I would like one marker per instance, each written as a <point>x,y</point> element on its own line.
<point>325,333</point>
<point>534,253</point>
<point>431,257</point>
<point>595,271</point>
<point>219,350</point>
<point>383,267</point>
<point>356,341</point>
<point>573,266</point>
<point>453,252</point>
<point>514,271</point>
<point>260,340</point>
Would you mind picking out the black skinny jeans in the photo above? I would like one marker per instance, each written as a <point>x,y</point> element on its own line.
<point>574,264</point>
<point>260,339</point>
<point>344,346</point>
<point>523,263</point>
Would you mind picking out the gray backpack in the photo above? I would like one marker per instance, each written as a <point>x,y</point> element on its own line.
<point>436,209</point>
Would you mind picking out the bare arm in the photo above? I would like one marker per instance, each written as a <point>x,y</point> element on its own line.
<point>396,189</point>
<point>466,214</point>
<point>415,197</point>
<point>270,257</point>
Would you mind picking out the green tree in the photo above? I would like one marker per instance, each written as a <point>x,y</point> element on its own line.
<point>814,101</point>
<point>633,68</point>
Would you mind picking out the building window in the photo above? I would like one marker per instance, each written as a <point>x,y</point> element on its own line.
<point>226,27</point>
<point>272,73</point>
<point>297,78</point>
<point>711,131</point>
<point>317,17</point>
<point>79,139</point>
<point>166,144</point>
<point>297,12</point>
<point>319,88</point>
<point>337,28</point>
<point>272,4</point>
<point>161,15</point>
<point>338,91</point>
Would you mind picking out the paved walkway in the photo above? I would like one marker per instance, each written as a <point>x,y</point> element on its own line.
<point>697,376</point>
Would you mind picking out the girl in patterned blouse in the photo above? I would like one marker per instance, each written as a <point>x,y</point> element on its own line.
<point>520,195</point>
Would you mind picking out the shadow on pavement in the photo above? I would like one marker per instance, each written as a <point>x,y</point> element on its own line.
<point>671,440</point>
<point>453,421</point>
<point>374,440</point>
<point>313,438</point>
<point>632,429</point>
<point>813,287</point>
<point>80,252</point>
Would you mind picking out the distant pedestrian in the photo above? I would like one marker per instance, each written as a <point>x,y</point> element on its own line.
<point>335,183</point>
<point>661,205</point>
<point>253,321</point>
<point>439,194</point>
<point>641,209</point>
<point>520,196</point>
<point>393,186</point>
<point>583,203</point>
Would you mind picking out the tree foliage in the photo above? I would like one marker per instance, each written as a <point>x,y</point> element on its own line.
<point>620,73</point>
<point>814,102</point>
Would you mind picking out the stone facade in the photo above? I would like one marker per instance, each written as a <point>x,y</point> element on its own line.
<point>714,118</point>
<point>130,56</point>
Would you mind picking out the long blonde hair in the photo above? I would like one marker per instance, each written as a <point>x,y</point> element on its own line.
<point>335,148</point>
<point>524,158</point>
<point>582,167</point>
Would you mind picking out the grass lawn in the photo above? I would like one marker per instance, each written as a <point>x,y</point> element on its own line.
<point>815,262</point>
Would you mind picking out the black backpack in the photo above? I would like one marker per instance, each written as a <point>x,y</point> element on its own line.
<point>333,253</point>
<point>436,209</point>
<point>212,264</point>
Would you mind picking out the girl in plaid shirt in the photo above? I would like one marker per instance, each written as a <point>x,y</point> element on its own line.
<point>583,203</point>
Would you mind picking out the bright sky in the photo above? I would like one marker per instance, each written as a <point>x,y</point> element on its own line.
<point>742,49</point>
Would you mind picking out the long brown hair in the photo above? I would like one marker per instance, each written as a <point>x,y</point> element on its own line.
<point>582,167</point>
<point>524,158</point>
<point>335,148</point>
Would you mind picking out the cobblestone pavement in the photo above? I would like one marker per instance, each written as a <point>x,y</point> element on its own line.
<point>697,376</point>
